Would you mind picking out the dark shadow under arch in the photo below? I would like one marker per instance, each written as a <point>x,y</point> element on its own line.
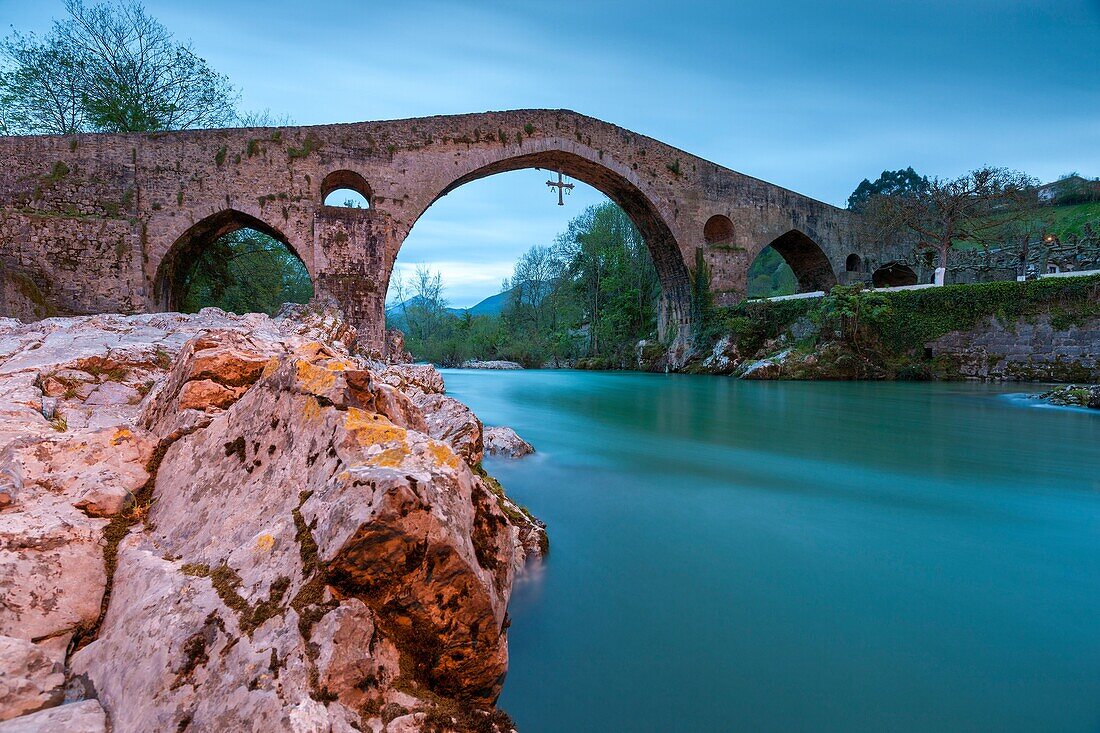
<point>808,261</point>
<point>169,283</point>
<point>667,258</point>
<point>718,230</point>
<point>892,275</point>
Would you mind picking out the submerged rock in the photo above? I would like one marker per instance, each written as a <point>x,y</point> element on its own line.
<point>230,524</point>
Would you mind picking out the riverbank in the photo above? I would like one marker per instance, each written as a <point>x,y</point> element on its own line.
<point>1041,331</point>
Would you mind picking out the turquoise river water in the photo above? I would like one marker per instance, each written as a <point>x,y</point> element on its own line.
<point>754,556</point>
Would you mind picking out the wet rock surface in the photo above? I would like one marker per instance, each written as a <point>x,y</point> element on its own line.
<point>218,522</point>
<point>1074,395</point>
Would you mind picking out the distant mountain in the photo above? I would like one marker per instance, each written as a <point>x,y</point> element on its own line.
<point>491,306</point>
<point>395,310</point>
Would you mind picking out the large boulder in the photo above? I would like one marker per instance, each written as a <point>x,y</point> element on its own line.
<point>237,526</point>
<point>503,441</point>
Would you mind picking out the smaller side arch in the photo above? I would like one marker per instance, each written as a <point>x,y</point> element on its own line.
<point>853,263</point>
<point>893,275</point>
<point>718,231</point>
<point>169,283</point>
<point>345,179</point>
<point>807,259</point>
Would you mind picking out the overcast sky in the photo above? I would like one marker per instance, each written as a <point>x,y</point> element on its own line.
<point>811,95</point>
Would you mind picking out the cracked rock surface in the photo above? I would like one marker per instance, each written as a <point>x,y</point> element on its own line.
<point>214,522</point>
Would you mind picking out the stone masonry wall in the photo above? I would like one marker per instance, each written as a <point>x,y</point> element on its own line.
<point>1025,351</point>
<point>92,222</point>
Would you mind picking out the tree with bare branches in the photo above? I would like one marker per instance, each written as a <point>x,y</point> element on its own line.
<point>979,207</point>
<point>109,67</point>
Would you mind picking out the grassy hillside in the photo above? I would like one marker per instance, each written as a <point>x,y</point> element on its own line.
<point>1071,219</point>
<point>1065,220</point>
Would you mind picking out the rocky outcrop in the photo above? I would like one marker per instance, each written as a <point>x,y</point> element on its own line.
<point>491,364</point>
<point>502,441</point>
<point>86,716</point>
<point>232,523</point>
<point>1074,395</point>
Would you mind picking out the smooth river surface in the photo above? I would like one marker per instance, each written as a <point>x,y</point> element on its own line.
<point>753,556</point>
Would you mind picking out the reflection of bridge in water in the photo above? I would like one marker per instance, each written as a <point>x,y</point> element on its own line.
<point>98,223</point>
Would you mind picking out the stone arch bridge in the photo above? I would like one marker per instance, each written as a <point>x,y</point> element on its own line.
<point>104,222</point>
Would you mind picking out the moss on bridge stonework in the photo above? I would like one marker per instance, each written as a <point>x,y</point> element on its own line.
<point>1041,330</point>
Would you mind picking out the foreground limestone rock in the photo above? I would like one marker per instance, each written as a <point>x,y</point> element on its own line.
<point>228,524</point>
<point>86,716</point>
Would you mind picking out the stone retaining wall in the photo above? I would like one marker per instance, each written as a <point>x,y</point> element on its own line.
<point>1033,351</point>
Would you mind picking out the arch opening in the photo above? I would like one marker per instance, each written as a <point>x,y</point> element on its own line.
<point>232,261</point>
<point>549,308</point>
<point>853,263</point>
<point>770,275</point>
<point>893,275</point>
<point>672,272</point>
<point>344,188</point>
<point>718,231</point>
<point>807,262</point>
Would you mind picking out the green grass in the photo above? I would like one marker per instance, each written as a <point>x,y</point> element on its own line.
<point>1071,219</point>
<point>1065,220</point>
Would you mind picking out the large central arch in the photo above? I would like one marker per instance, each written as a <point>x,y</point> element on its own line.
<point>626,193</point>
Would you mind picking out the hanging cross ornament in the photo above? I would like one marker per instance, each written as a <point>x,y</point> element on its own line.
<point>562,187</point>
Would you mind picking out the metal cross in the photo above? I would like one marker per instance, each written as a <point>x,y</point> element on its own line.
<point>561,185</point>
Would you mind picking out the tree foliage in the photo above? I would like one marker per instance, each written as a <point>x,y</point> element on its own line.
<point>593,293</point>
<point>890,183</point>
<point>770,275</point>
<point>108,68</point>
<point>245,271</point>
<point>979,207</point>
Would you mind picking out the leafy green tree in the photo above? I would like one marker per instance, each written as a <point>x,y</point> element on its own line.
<point>850,311</point>
<point>245,271</point>
<point>610,269</point>
<point>109,68</point>
<point>890,183</point>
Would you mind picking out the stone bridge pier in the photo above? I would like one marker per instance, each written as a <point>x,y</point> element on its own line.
<point>110,223</point>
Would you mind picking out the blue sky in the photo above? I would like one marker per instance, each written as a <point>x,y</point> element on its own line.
<point>811,95</point>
